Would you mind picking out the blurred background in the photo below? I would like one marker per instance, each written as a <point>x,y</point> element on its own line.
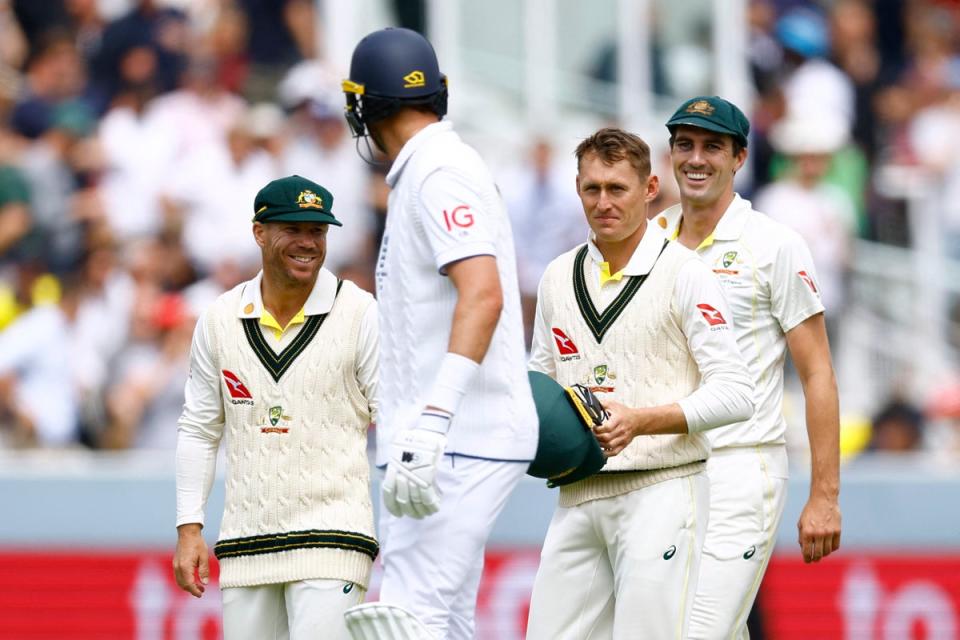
<point>135,133</point>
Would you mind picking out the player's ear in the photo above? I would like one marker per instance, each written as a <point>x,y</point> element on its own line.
<point>259,231</point>
<point>741,159</point>
<point>653,188</point>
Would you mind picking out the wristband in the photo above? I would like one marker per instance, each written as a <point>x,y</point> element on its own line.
<point>451,383</point>
<point>436,421</point>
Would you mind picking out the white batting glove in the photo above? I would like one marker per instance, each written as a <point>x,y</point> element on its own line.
<point>410,484</point>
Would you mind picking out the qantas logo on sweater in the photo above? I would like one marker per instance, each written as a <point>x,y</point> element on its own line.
<point>712,316</point>
<point>568,350</point>
<point>239,394</point>
<point>806,278</point>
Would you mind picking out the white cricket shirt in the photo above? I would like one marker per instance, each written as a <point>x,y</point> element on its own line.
<point>771,286</point>
<point>445,207</point>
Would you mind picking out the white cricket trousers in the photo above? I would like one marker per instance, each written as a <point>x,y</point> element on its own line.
<point>432,567</point>
<point>748,489</point>
<point>622,567</point>
<point>302,610</point>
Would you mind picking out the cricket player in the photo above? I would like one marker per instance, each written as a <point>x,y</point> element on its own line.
<point>770,283</point>
<point>643,324</point>
<point>285,367</point>
<point>458,427</point>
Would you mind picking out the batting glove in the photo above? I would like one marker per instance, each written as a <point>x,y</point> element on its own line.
<point>410,484</point>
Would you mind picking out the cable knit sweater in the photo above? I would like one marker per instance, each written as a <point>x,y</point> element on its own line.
<point>297,489</point>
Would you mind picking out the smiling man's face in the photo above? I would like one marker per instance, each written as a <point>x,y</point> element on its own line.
<point>704,164</point>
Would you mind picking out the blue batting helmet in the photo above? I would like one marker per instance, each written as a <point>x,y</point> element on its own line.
<point>391,69</point>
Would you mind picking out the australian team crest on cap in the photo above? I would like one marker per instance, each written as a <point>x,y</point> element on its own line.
<point>701,107</point>
<point>308,199</point>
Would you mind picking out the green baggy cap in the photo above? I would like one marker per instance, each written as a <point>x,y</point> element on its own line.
<point>567,450</point>
<point>294,199</point>
<point>712,113</point>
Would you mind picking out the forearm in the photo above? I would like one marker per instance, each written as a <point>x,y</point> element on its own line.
<point>475,319</point>
<point>823,431</point>
<point>667,418</point>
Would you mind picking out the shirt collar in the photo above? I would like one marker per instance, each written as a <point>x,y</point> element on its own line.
<point>318,302</point>
<point>730,226</point>
<point>410,147</point>
<point>644,256</point>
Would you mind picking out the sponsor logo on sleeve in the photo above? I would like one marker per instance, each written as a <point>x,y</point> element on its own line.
<point>565,346</point>
<point>713,317</point>
<point>239,394</point>
<point>809,280</point>
<point>459,217</point>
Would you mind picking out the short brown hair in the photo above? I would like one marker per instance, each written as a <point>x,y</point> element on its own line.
<point>612,145</point>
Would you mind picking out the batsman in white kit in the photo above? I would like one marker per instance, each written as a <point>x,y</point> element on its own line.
<point>457,424</point>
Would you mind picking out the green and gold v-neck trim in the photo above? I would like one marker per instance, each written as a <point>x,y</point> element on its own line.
<point>278,363</point>
<point>600,323</point>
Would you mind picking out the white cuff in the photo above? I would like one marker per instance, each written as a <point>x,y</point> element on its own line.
<point>454,377</point>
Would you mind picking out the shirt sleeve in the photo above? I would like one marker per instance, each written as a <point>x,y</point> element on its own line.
<point>199,430</point>
<point>368,347</point>
<point>725,394</point>
<point>794,290</point>
<point>541,347</point>
<point>455,219</point>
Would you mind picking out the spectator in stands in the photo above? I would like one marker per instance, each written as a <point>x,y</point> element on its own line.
<point>38,396</point>
<point>146,390</point>
<point>152,30</point>
<point>281,33</point>
<point>821,213</point>
<point>897,428</point>
<point>545,213</point>
<point>15,217</point>
<point>54,74</point>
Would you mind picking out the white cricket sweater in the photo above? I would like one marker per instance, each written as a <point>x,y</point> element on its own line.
<point>297,489</point>
<point>637,348</point>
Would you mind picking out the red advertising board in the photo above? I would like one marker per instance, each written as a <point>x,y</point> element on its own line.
<point>864,596</point>
<point>130,595</point>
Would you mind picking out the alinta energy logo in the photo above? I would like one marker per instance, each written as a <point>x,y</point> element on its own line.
<point>669,553</point>
<point>568,350</point>
<point>239,394</point>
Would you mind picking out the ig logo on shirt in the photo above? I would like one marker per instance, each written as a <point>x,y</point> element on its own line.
<point>459,218</point>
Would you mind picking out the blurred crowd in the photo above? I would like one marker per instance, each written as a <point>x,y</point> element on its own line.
<point>135,133</point>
